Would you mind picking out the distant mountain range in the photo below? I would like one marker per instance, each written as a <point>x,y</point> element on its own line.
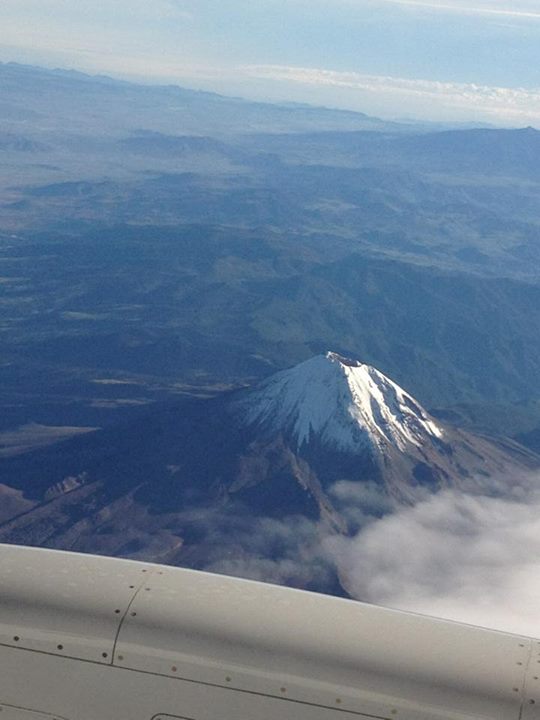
<point>30,92</point>
<point>318,447</point>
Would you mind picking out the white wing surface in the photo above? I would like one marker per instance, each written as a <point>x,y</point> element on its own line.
<point>95,638</point>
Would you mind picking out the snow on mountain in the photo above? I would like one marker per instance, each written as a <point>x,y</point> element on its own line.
<point>343,403</point>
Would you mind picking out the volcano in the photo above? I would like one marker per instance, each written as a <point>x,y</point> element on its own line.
<point>251,476</point>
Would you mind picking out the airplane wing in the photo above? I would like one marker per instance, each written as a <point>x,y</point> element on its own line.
<point>94,638</point>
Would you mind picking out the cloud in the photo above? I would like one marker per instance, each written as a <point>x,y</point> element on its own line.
<point>359,502</point>
<point>494,8</point>
<point>231,540</point>
<point>469,558</point>
<point>462,557</point>
<point>499,102</point>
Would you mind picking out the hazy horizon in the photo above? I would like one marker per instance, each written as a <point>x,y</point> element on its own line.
<point>427,60</point>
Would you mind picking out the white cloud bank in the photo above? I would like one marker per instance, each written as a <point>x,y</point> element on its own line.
<point>466,558</point>
<point>520,105</point>
<point>525,9</point>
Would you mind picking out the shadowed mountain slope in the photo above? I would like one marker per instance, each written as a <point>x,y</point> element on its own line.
<point>321,446</point>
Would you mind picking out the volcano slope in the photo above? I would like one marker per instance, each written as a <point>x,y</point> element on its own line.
<point>250,482</point>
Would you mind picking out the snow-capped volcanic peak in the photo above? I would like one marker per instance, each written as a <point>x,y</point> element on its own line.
<point>342,403</point>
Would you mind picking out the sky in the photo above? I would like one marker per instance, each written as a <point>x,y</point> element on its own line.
<point>459,60</point>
